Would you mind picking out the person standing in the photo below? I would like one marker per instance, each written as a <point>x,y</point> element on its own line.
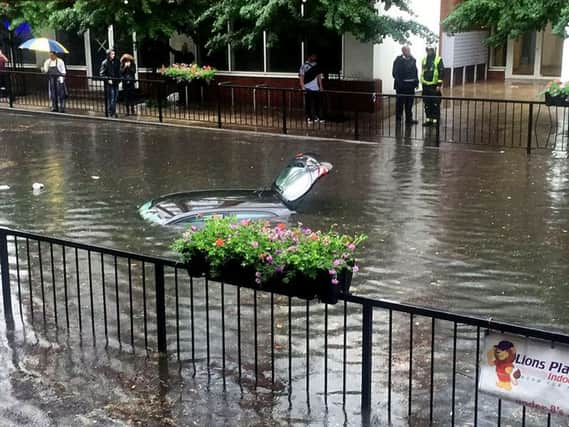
<point>110,70</point>
<point>55,69</point>
<point>128,74</point>
<point>432,82</point>
<point>310,76</point>
<point>406,80</point>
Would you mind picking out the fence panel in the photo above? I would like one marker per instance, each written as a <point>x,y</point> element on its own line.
<point>383,361</point>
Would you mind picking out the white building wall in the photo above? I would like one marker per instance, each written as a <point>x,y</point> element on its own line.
<point>426,12</point>
<point>565,63</point>
<point>358,59</point>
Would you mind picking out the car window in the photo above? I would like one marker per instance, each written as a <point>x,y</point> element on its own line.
<point>252,214</point>
<point>197,220</point>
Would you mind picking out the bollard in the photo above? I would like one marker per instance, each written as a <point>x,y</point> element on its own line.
<point>284,110</point>
<point>4,265</point>
<point>160,308</point>
<point>530,128</point>
<point>367,347</point>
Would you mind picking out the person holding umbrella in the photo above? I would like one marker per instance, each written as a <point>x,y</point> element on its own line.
<point>55,69</point>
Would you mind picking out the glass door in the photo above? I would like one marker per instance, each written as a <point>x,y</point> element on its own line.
<point>524,54</point>
<point>551,53</point>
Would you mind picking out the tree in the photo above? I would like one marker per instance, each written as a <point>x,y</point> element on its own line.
<point>509,19</point>
<point>148,18</point>
<point>367,20</point>
<point>242,22</point>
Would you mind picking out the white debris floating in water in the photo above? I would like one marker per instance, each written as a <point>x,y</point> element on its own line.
<point>4,187</point>
<point>95,177</point>
<point>38,186</point>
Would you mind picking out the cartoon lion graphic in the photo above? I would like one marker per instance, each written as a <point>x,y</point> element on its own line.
<point>502,356</point>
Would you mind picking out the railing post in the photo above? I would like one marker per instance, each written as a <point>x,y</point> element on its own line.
<point>160,307</point>
<point>357,126</point>
<point>9,89</point>
<point>219,124</point>
<point>367,332</point>
<point>530,128</point>
<point>6,295</point>
<point>284,110</point>
<point>159,96</point>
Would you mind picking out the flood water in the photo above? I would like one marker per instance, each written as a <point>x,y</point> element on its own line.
<point>471,231</point>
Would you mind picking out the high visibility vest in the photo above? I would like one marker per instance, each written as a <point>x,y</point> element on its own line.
<point>435,79</point>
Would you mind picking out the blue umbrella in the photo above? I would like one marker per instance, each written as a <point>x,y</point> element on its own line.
<point>43,44</point>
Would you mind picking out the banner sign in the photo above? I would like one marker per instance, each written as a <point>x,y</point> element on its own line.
<point>529,372</point>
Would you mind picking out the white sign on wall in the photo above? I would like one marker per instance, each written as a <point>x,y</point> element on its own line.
<point>530,373</point>
<point>464,49</point>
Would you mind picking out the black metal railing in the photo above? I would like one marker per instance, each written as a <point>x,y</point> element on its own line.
<point>350,115</point>
<point>377,359</point>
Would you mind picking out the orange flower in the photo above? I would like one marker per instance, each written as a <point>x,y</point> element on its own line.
<point>313,236</point>
<point>281,226</point>
<point>219,242</point>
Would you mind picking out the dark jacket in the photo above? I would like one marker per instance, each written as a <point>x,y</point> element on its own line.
<point>111,69</point>
<point>405,73</point>
<point>128,73</point>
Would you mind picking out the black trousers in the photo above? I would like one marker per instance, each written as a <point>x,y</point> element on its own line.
<point>432,105</point>
<point>312,99</point>
<point>405,101</point>
<point>128,88</point>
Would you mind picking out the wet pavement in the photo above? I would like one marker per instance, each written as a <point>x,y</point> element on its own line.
<point>482,232</point>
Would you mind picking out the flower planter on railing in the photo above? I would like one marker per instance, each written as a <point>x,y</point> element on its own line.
<point>300,286</point>
<point>258,255</point>
<point>556,100</point>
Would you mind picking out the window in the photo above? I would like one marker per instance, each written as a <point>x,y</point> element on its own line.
<point>153,53</point>
<point>498,56</point>
<point>22,33</point>
<point>328,46</point>
<point>75,44</point>
<point>122,40</point>
<point>245,59</point>
<point>216,58</point>
<point>284,55</point>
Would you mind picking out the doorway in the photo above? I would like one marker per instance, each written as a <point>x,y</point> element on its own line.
<point>535,55</point>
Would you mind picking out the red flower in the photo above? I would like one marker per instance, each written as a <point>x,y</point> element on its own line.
<point>219,242</point>
<point>281,226</point>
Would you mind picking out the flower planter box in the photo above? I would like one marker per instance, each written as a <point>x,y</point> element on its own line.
<point>556,100</point>
<point>301,286</point>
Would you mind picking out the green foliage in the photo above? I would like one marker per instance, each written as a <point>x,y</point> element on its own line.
<point>358,17</point>
<point>509,19</point>
<point>273,251</point>
<point>557,88</point>
<point>209,20</point>
<point>185,72</point>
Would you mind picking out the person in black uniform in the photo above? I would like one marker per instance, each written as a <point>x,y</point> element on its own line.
<point>405,82</point>
<point>432,82</point>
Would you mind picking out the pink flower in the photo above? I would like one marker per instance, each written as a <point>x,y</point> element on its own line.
<point>335,281</point>
<point>255,244</point>
<point>337,262</point>
<point>355,269</point>
<point>194,228</point>
<point>332,272</point>
<point>245,222</point>
<point>269,259</point>
<point>352,247</point>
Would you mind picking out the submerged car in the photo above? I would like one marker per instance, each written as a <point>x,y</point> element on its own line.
<point>287,192</point>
